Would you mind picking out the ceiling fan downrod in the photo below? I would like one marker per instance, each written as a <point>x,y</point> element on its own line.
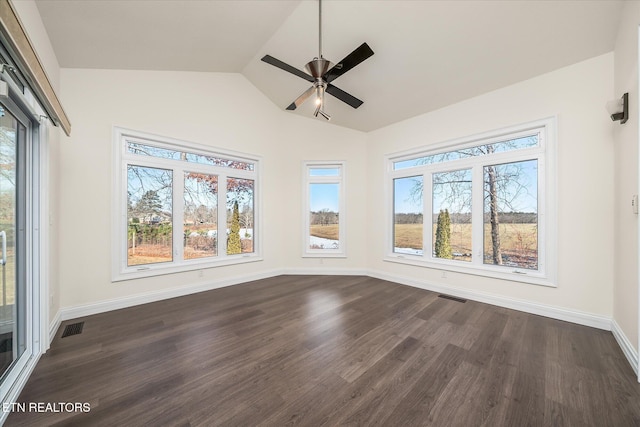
<point>318,68</point>
<point>320,29</point>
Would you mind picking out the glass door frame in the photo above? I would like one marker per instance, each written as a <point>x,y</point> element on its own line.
<point>36,311</point>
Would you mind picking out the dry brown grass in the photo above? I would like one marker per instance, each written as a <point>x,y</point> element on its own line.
<point>408,236</point>
<point>330,231</point>
<point>515,238</point>
<point>151,254</point>
<point>191,253</point>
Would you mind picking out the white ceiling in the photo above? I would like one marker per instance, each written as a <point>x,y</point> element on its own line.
<point>428,54</point>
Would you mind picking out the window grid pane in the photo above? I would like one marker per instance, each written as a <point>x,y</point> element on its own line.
<point>324,216</point>
<point>200,215</point>
<point>324,172</point>
<point>163,153</point>
<point>463,153</point>
<point>408,215</point>
<point>511,214</point>
<point>240,216</point>
<point>451,202</point>
<point>149,215</point>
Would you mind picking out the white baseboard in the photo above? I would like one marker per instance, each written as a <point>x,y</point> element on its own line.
<point>573,316</point>
<point>630,353</point>
<point>54,326</point>
<point>133,300</point>
<point>326,271</point>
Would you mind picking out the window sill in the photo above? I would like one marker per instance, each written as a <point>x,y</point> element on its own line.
<point>514,275</point>
<point>142,271</point>
<point>323,255</point>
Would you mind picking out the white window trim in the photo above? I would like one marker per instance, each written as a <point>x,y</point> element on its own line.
<point>307,252</point>
<point>121,158</point>
<point>547,202</point>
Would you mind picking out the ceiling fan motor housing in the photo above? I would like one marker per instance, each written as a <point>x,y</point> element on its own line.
<point>318,67</point>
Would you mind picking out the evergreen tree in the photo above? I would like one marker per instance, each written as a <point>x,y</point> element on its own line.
<point>443,235</point>
<point>234,245</point>
<point>148,206</point>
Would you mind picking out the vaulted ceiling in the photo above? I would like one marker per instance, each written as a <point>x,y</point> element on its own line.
<point>428,54</point>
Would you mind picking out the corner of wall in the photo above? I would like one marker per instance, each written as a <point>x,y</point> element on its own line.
<point>626,141</point>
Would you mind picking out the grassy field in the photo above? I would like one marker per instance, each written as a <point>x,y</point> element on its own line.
<point>330,231</point>
<point>518,241</point>
<point>151,254</point>
<point>408,236</point>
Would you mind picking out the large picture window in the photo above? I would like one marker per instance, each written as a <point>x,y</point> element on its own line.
<point>482,205</point>
<point>171,206</point>
<point>324,225</point>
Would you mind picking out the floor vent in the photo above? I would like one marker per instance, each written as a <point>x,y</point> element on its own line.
<point>73,329</point>
<point>452,298</point>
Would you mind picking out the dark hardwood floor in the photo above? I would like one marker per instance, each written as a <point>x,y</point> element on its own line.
<point>327,350</point>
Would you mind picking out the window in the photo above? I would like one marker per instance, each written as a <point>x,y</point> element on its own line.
<point>172,196</point>
<point>489,204</point>
<point>324,229</point>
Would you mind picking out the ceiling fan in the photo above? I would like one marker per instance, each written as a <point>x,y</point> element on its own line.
<point>322,72</point>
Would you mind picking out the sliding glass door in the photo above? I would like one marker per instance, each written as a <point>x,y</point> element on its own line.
<point>13,193</point>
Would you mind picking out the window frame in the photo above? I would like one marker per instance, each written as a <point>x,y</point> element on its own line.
<point>122,158</point>
<point>307,252</point>
<point>544,153</point>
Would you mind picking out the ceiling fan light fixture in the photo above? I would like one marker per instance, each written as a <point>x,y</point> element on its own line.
<point>320,88</point>
<point>325,115</point>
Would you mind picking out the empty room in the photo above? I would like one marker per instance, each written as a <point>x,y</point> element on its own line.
<point>304,212</point>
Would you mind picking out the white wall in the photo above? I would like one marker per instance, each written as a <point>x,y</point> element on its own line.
<point>311,139</point>
<point>625,296</point>
<point>577,95</point>
<point>221,110</point>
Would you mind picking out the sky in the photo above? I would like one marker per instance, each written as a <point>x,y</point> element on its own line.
<point>523,198</point>
<point>324,196</point>
<point>404,203</point>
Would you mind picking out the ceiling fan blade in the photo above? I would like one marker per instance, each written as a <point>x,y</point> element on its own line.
<point>300,100</point>
<point>343,96</point>
<point>361,53</point>
<point>286,67</point>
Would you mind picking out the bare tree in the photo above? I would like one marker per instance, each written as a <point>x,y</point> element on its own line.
<point>504,184</point>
